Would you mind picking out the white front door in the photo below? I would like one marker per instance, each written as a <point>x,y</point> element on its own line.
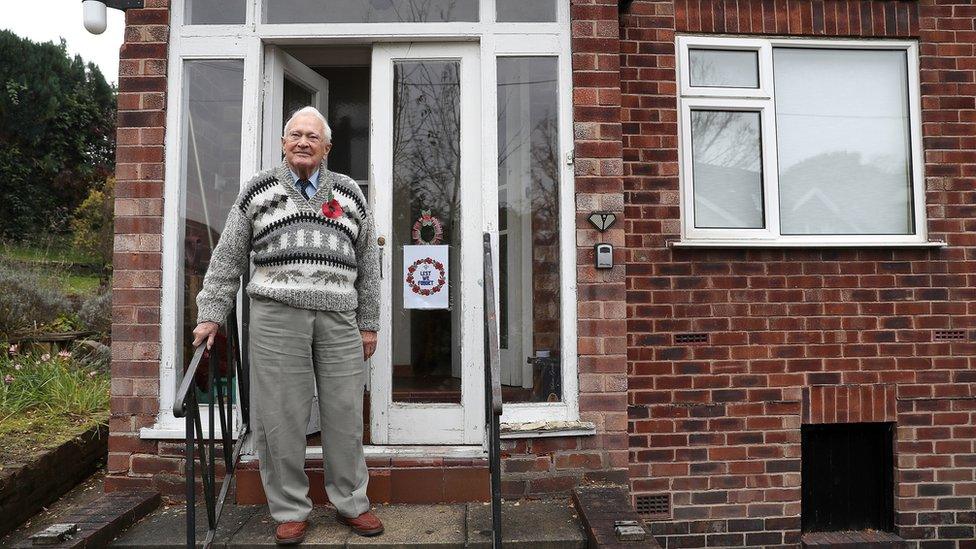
<point>425,160</point>
<point>289,86</point>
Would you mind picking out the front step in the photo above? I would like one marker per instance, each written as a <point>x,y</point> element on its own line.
<point>548,524</point>
<point>402,480</point>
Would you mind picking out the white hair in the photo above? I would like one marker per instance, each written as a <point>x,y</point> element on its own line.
<point>314,112</point>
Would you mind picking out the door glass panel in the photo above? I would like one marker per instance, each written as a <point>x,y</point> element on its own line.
<point>528,227</point>
<point>214,12</point>
<point>349,118</point>
<point>369,11</point>
<point>295,96</point>
<point>519,11</point>
<point>210,169</point>
<point>426,181</point>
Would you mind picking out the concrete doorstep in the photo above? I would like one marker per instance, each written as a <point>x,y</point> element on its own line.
<point>542,524</point>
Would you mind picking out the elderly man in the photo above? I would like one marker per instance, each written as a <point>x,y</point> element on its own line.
<point>314,316</point>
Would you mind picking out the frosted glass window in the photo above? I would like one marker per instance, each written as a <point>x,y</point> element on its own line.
<point>727,169</point>
<point>521,11</point>
<point>214,12</point>
<point>724,68</point>
<point>844,145</point>
<point>369,11</point>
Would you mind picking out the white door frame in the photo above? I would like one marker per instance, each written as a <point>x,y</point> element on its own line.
<point>420,423</point>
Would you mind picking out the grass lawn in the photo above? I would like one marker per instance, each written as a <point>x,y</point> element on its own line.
<point>55,257</point>
<point>46,400</point>
<point>54,250</point>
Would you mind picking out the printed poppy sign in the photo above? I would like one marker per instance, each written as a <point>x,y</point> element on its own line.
<point>425,277</point>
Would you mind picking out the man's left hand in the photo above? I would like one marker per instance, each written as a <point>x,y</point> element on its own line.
<point>369,344</point>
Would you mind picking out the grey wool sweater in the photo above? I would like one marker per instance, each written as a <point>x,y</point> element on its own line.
<point>301,257</point>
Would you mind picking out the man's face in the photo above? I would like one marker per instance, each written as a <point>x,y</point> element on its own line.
<point>304,144</point>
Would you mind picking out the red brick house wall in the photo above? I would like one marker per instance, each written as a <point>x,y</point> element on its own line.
<point>137,276</point>
<point>797,335</point>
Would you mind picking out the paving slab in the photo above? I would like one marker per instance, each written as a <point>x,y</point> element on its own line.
<point>166,527</point>
<point>542,524</point>
<point>416,526</point>
<point>258,531</point>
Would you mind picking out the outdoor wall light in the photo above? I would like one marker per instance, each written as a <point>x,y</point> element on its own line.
<point>93,12</point>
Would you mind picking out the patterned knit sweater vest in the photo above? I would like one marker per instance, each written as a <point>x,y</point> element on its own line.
<point>301,257</point>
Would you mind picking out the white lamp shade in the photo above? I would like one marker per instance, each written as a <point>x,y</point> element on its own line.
<point>93,13</point>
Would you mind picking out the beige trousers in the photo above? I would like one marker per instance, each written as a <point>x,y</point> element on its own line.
<point>292,351</point>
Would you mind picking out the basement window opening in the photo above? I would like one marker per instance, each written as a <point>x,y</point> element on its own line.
<point>847,477</point>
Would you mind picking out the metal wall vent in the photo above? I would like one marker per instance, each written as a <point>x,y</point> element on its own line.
<point>653,506</point>
<point>950,335</point>
<point>691,338</point>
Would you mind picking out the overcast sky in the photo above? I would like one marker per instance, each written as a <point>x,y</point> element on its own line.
<point>51,20</point>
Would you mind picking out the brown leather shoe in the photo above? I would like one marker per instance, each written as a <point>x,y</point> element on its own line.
<point>366,524</point>
<point>291,533</point>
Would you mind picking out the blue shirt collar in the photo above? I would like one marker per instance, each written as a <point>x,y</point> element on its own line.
<point>314,179</point>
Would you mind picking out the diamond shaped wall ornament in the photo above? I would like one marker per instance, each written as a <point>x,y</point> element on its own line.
<point>602,220</point>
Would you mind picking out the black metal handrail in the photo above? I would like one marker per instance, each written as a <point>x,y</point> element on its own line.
<point>218,384</point>
<point>493,397</point>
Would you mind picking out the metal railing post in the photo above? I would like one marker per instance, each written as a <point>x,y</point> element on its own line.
<point>493,395</point>
<point>204,445</point>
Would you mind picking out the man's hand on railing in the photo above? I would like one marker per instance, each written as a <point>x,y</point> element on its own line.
<point>205,331</point>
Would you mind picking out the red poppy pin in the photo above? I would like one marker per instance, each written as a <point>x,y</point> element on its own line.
<point>332,209</point>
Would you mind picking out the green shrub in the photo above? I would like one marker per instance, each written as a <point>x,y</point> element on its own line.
<point>29,299</point>
<point>96,313</point>
<point>93,223</point>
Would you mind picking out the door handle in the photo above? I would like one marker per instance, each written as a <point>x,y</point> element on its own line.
<point>381,242</point>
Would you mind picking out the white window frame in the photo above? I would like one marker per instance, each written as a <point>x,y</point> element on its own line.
<point>247,41</point>
<point>761,100</point>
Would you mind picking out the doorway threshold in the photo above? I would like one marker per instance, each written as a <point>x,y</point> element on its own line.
<point>403,451</point>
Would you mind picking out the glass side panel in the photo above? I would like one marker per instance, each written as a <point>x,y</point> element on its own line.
<point>369,11</point>
<point>520,11</point>
<point>724,68</point>
<point>727,169</point>
<point>426,195</point>
<point>349,118</point>
<point>528,234</point>
<point>295,96</point>
<point>214,12</point>
<point>210,170</point>
<point>844,142</point>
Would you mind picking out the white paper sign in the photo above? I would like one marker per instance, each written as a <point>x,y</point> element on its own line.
<point>425,277</point>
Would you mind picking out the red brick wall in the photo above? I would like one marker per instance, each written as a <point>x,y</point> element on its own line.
<point>136,283</point>
<point>717,425</point>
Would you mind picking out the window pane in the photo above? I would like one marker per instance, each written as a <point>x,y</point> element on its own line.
<point>369,11</point>
<point>724,68</point>
<point>214,12</point>
<point>536,11</point>
<point>210,170</point>
<point>727,169</point>
<point>426,182</point>
<point>528,212</point>
<point>844,146</point>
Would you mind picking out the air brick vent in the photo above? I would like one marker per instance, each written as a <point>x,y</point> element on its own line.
<point>653,506</point>
<point>949,335</point>
<point>700,337</point>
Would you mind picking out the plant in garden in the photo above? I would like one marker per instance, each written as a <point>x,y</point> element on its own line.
<point>93,223</point>
<point>28,299</point>
<point>48,398</point>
